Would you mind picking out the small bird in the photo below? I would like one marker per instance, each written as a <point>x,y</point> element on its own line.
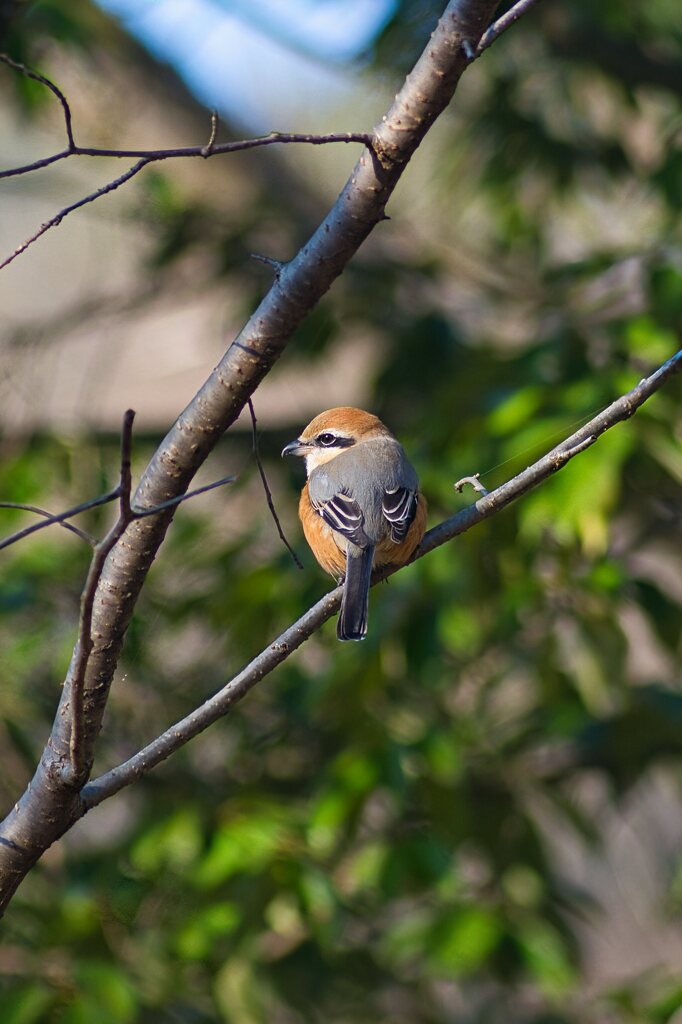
<point>360,507</point>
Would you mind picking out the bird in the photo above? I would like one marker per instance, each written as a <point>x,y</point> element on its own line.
<point>360,508</point>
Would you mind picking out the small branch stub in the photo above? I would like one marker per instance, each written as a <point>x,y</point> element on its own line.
<point>276,265</point>
<point>209,147</point>
<point>473,481</point>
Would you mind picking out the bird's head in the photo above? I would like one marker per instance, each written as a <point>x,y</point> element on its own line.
<point>333,432</point>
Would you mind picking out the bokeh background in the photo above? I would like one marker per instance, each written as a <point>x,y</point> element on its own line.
<point>475,816</point>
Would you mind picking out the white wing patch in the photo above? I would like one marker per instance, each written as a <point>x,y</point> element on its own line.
<point>399,506</point>
<point>344,515</point>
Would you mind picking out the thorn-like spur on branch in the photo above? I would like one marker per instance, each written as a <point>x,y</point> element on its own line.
<point>501,25</point>
<point>292,638</point>
<point>276,265</point>
<point>49,515</point>
<point>268,492</point>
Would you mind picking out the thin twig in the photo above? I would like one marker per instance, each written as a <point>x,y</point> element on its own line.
<point>210,145</point>
<point>502,24</point>
<point>268,493</point>
<point>220,704</point>
<point>146,156</point>
<point>142,513</point>
<point>59,217</point>
<point>60,518</point>
<point>155,155</point>
<point>48,515</point>
<point>150,155</point>
<point>37,77</point>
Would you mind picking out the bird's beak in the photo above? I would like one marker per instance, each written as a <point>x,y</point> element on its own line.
<point>296,447</point>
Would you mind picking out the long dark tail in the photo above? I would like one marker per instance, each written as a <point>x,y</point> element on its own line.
<point>352,622</point>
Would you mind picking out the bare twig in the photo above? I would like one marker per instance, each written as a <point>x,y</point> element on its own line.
<point>502,24</point>
<point>146,156</point>
<point>292,638</point>
<point>48,515</point>
<point>104,499</point>
<point>142,513</point>
<point>59,217</point>
<point>59,518</point>
<point>37,77</point>
<point>156,155</point>
<point>268,493</point>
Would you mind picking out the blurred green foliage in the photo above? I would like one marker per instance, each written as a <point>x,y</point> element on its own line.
<point>375,833</point>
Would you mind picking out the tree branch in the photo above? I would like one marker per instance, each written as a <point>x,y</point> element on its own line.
<point>48,516</point>
<point>49,520</point>
<point>554,460</point>
<point>60,518</point>
<point>59,217</point>
<point>145,156</point>
<point>37,77</point>
<point>78,767</point>
<point>49,807</point>
<point>502,24</point>
<point>492,502</point>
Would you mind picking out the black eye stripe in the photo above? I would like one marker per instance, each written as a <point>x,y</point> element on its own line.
<point>329,440</point>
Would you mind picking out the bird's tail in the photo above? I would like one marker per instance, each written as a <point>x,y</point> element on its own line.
<point>352,622</point>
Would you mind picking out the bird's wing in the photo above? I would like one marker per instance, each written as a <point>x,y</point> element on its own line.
<point>343,514</point>
<point>399,507</point>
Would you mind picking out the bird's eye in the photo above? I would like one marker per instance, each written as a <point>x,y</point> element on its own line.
<point>326,440</point>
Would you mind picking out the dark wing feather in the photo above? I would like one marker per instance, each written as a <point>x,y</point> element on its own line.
<point>344,515</point>
<point>399,507</point>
